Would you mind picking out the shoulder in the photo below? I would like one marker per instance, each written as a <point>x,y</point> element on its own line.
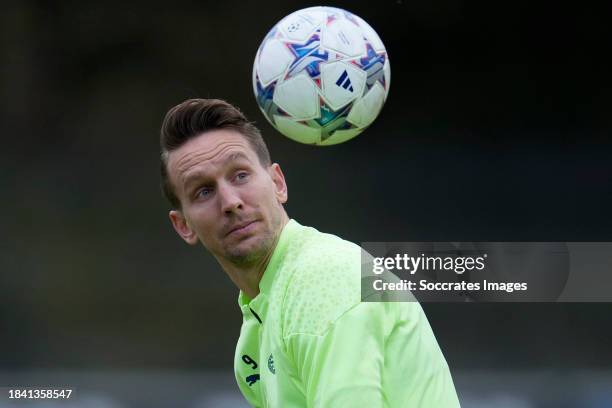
<point>317,251</point>
<point>324,284</point>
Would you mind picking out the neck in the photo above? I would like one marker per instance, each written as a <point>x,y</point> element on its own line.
<point>247,277</point>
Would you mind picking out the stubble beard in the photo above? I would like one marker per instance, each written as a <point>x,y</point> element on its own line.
<point>243,257</point>
<point>259,250</point>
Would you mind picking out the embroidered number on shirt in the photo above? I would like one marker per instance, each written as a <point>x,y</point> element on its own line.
<point>248,360</point>
<point>252,379</point>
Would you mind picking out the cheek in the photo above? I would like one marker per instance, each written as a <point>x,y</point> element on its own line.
<point>267,194</point>
<point>201,222</point>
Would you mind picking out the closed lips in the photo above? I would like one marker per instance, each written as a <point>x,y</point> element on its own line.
<point>240,227</point>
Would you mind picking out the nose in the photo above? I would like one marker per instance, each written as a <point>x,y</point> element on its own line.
<point>229,198</point>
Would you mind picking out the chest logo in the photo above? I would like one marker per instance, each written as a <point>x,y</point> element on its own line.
<point>271,364</point>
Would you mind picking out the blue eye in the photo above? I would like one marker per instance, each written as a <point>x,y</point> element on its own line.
<point>242,176</point>
<point>205,192</point>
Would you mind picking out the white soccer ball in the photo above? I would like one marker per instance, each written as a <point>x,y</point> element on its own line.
<point>321,75</point>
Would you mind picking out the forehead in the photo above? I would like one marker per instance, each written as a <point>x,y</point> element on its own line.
<point>210,148</point>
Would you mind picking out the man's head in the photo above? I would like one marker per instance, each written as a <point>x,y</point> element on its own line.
<point>217,174</point>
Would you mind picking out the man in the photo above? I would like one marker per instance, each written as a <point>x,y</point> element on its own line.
<point>306,340</point>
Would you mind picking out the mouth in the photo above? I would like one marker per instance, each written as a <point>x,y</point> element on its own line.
<point>242,228</point>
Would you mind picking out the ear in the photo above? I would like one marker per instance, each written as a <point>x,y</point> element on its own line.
<point>182,227</point>
<point>279,182</point>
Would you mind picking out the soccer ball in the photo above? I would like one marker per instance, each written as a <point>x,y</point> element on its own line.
<point>321,75</point>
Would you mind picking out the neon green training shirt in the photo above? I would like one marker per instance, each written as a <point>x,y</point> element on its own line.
<point>307,340</point>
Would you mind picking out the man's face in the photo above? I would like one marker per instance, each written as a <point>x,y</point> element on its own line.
<point>229,201</point>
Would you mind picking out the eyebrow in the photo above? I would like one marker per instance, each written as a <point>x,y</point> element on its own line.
<point>237,156</point>
<point>199,173</point>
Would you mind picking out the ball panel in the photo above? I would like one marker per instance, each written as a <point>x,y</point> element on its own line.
<point>344,37</point>
<point>297,131</point>
<point>387,71</point>
<point>327,128</point>
<point>299,26</point>
<point>298,97</point>
<point>370,34</point>
<point>308,57</point>
<point>373,65</point>
<point>273,61</point>
<point>266,104</point>
<point>366,109</point>
<point>341,83</point>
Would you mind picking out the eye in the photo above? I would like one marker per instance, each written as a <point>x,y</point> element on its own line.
<point>242,176</point>
<point>204,192</point>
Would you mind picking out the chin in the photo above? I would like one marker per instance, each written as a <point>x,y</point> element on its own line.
<point>248,251</point>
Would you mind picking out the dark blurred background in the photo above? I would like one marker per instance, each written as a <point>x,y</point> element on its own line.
<point>497,128</point>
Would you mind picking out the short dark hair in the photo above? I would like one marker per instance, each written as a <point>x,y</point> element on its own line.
<point>196,116</point>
